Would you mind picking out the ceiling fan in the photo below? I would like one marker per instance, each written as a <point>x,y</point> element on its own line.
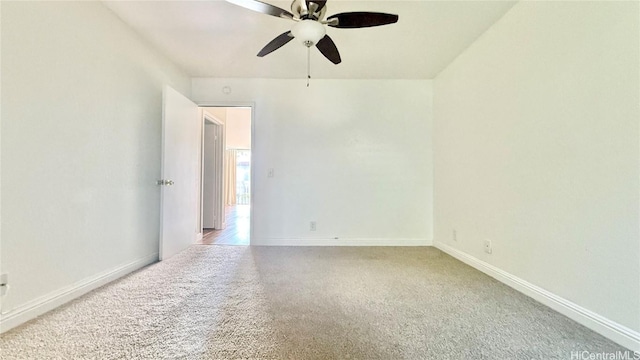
<point>310,26</point>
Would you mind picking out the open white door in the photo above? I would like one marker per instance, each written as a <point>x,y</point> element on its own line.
<point>219,185</point>
<point>213,215</point>
<point>180,173</point>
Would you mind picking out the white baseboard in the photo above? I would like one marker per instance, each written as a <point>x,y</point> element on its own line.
<point>605,327</point>
<point>48,302</point>
<point>339,242</point>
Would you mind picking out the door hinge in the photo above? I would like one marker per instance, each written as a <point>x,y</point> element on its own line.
<point>165,182</point>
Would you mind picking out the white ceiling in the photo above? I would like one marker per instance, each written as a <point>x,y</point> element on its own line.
<point>218,39</point>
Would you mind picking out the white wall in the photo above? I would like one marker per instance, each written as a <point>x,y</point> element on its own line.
<point>81,137</point>
<point>352,155</point>
<point>238,128</point>
<point>536,148</point>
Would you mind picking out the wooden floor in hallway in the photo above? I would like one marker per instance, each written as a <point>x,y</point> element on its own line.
<point>236,232</point>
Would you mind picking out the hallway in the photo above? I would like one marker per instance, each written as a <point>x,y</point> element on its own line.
<point>236,232</point>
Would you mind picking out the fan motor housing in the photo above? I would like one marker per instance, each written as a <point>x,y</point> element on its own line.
<point>296,9</point>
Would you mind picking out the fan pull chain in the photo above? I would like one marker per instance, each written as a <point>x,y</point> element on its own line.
<point>308,64</point>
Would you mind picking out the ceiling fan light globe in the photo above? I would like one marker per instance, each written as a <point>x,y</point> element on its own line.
<point>309,32</point>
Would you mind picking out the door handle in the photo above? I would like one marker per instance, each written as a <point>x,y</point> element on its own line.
<point>165,182</point>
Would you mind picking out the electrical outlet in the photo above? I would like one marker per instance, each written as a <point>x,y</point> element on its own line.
<point>312,226</point>
<point>4,284</point>
<point>454,235</point>
<point>487,247</point>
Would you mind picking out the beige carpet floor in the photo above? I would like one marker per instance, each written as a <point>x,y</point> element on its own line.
<point>227,302</point>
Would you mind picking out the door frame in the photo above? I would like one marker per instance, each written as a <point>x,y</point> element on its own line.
<point>252,105</point>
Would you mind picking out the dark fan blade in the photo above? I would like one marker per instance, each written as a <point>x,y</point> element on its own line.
<point>276,43</point>
<point>264,8</point>
<point>352,20</point>
<point>328,48</point>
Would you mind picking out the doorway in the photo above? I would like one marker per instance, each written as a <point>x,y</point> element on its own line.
<point>227,182</point>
